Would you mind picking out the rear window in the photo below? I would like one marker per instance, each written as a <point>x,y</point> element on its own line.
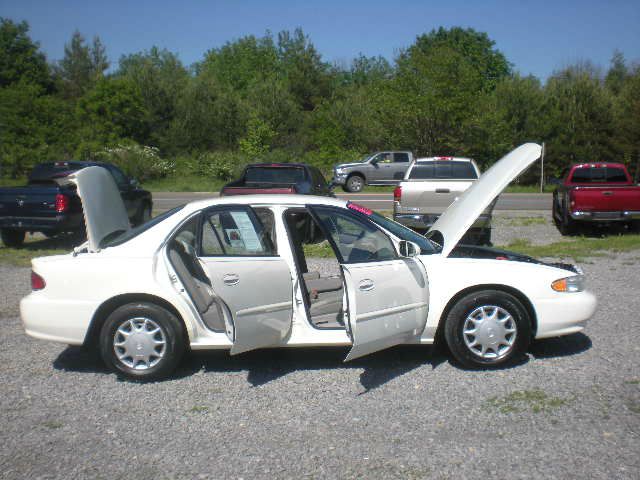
<point>274,175</point>
<point>599,175</point>
<point>443,170</point>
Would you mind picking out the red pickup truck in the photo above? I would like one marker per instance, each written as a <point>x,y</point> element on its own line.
<point>596,193</point>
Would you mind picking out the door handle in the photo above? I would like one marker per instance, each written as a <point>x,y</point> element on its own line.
<point>366,285</point>
<point>231,279</point>
<point>607,193</point>
<point>443,190</point>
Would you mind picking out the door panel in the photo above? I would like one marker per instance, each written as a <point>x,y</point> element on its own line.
<point>240,260</point>
<point>259,295</point>
<point>387,296</point>
<point>388,304</point>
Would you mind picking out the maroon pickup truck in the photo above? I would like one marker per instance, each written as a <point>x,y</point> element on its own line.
<point>274,178</point>
<point>596,194</point>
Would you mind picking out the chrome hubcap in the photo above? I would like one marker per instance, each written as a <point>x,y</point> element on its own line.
<point>489,332</point>
<point>139,343</point>
<point>356,183</point>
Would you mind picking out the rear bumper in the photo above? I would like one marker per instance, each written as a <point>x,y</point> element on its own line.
<point>423,221</point>
<point>57,321</point>
<point>623,216</point>
<point>59,223</point>
<point>566,314</point>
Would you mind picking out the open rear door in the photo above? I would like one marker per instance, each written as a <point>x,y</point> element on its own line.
<point>388,296</point>
<point>246,273</point>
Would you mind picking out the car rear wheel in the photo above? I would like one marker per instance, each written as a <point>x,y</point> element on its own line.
<point>488,328</point>
<point>355,183</point>
<point>142,340</point>
<point>12,238</point>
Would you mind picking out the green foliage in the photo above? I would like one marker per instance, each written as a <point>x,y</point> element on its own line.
<point>258,138</point>
<point>114,109</point>
<point>20,58</point>
<point>272,98</point>
<point>220,165</point>
<point>81,66</point>
<point>138,161</point>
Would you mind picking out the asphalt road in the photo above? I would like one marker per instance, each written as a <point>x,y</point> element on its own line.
<point>375,201</point>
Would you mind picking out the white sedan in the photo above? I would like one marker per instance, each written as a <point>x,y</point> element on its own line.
<point>232,273</point>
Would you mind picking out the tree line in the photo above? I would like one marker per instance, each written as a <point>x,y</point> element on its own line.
<point>273,98</point>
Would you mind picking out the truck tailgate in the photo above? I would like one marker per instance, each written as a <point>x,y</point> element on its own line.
<point>36,201</point>
<point>430,197</point>
<point>258,190</point>
<point>606,199</point>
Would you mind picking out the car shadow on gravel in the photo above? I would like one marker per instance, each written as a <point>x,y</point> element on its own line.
<point>264,366</point>
<point>560,346</point>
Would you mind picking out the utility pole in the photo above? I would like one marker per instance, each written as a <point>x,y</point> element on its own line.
<point>542,169</point>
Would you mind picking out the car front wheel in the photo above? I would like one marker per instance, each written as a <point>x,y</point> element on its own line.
<point>142,340</point>
<point>488,328</point>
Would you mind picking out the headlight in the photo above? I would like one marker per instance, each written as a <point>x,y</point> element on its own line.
<point>569,284</point>
<point>340,170</point>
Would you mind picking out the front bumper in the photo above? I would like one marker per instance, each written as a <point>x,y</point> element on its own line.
<point>339,178</point>
<point>564,314</point>
<point>623,216</point>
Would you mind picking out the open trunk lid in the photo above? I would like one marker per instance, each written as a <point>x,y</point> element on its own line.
<point>104,212</point>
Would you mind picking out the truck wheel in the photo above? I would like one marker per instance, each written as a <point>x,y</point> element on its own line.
<point>567,226</point>
<point>12,238</point>
<point>488,328</point>
<point>355,183</point>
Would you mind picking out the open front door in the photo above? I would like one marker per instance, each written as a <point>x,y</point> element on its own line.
<point>388,296</point>
<point>245,272</point>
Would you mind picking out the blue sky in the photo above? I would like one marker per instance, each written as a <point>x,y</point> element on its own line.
<point>537,37</point>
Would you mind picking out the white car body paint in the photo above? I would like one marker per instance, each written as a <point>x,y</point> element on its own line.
<point>78,284</point>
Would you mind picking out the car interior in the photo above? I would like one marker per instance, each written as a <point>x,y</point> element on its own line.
<point>322,292</point>
<point>183,256</point>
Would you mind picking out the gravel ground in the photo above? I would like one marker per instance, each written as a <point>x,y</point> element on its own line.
<point>572,410</point>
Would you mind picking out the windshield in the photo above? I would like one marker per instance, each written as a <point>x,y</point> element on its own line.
<point>120,236</point>
<point>427,247</point>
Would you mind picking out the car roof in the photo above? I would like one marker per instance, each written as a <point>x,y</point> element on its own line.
<point>272,199</point>
<point>278,165</point>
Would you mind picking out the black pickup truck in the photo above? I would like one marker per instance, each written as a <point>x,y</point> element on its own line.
<point>44,206</point>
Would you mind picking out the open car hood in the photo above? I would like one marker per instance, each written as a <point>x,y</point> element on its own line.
<point>463,212</point>
<point>104,210</point>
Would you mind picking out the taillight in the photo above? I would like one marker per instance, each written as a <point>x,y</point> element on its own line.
<point>397,193</point>
<point>37,282</point>
<point>62,203</point>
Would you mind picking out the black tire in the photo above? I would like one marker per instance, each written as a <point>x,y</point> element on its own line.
<point>355,183</point>
<point>567,226</point>
<point>12,238</point>
<point>165,357</point>
<point>143,215</point>
<point>470,306</point>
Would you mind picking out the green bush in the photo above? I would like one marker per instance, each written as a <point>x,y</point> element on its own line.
<point>221,165</point>
<point>138,161</point>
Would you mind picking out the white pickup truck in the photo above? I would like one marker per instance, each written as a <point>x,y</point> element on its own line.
<point>429,186</point>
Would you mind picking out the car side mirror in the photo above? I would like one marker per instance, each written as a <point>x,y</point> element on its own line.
<point>408,249</point>
<point>134,183</point>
